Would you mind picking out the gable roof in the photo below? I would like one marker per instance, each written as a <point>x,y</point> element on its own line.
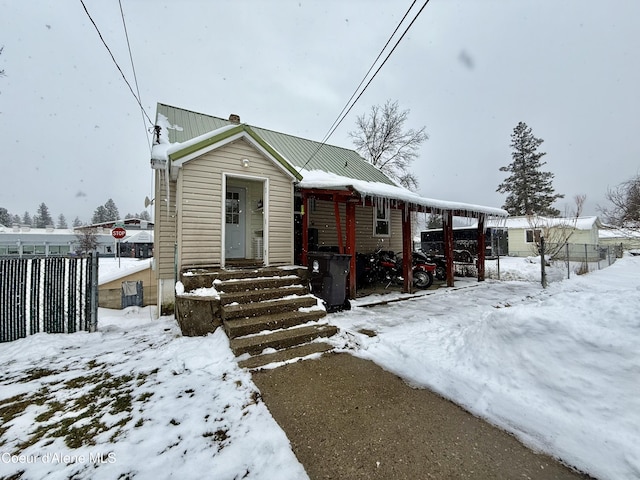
<point>182,126</point>
<point>185,134</point>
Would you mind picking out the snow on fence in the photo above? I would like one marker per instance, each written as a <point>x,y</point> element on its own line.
<point>52,295</point>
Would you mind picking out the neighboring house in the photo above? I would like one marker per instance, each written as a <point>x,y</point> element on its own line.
<point>25,241</point>
<point>112,280</point>
<point>624,238</point>
<point>229,194</point>
<point>137,243</point>
<point>525,232</point>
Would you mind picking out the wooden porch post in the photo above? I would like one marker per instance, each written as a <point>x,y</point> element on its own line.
<point>305,228</point>
<point>481,248</point>
<point>336,210</point>
<point>407,250</point>
<point>351,246</point>
<point>447,225</point>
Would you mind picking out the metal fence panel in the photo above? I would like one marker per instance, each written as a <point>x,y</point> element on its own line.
<point>52,295</point>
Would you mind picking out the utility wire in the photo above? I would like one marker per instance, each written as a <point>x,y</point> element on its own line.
<point>135,78</point>
<point>326,137</point>
<point>116,63</point>
<point>346,110</point>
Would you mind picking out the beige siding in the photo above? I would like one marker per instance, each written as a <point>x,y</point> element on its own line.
<point>200,229</point>
<point>281,223</point>
<point>323,218</point>
<point>165,227</point>
<point>110,293</point>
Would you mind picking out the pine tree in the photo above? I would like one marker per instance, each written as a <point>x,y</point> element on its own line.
<point>100,215</point>
<point>77,222</point>
<point>529,190</point>
<point>43,217</point>
<point>5,217</point>
<point>111,211</point>
<point>26,219</point>
<point>62,221</point>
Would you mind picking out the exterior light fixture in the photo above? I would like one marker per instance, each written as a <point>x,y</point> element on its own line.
<point>245,162</point>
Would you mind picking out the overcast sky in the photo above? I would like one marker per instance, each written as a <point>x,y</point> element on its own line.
<point>72,134</point>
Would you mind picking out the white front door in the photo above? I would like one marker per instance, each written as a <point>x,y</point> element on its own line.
<point>235,215</point>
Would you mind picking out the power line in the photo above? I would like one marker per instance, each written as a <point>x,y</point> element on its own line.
<point>345,111</point>
<point>135,78</point>
<point>116,63</point>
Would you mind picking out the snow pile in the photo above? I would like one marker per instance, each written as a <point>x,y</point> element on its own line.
<point>558,367</point>
<point>161,405</point>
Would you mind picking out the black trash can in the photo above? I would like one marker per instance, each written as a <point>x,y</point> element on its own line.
<point>328,275</point>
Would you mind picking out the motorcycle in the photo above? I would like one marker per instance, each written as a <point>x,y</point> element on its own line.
<point>383,266</point>
<point>441,265</point>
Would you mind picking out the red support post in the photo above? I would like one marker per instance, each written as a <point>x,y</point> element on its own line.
<point>481,248</point>
<point>407,250</point>
<point>447,225</point>
<point>336,210</point>
<point>305,228</point>
<point>351,246</point>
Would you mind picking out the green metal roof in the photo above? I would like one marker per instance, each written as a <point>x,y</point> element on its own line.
<point>298,152</point>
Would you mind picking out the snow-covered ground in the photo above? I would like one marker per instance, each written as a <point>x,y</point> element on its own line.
<point>557,367</point>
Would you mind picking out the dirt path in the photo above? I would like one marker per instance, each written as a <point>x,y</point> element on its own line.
<point>347,418</point>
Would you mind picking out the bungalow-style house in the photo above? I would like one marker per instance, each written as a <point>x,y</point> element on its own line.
<point>525,232</point>
<point>228,194</point>
<point>620,238</point>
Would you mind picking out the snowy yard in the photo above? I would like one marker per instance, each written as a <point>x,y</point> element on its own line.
<point>557,367</point>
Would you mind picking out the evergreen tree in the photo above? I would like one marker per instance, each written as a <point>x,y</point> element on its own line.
<point>111,211</point>
<point>16,220</point>
<point>62,221</point>
<point>77,222</point>
<point>106,213</point>
<point>26,219</point>
<point>43,217</point>
<point>529,190</point>
<point>5,217</point>
<point>100,215</point>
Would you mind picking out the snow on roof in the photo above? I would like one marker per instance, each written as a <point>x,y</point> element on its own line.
<point>580,223</point>
<point>162,150</point>
<point>321,179</point>
<point>111,269</point>
<point>618,233</point>
<point>142,236</point>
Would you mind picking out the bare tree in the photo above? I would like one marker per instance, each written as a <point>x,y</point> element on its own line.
<point>1,71</point>
<point>381,139</point>
<point>625,200</point>
<point>556,231</point>
<point>88,240</point>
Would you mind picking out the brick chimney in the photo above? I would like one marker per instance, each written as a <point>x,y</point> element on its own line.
<point>234,118</point>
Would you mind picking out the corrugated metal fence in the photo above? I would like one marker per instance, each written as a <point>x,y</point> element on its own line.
<point>52,295</point>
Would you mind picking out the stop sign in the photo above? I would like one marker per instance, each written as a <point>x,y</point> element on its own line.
<point>118,233</point>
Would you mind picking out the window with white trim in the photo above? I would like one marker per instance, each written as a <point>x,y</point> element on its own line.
<point>382,220</point>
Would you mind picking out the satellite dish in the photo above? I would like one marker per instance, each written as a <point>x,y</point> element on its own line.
<point>148,202</point>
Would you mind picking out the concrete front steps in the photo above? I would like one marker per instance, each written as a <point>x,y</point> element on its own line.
<point>268,313</point>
